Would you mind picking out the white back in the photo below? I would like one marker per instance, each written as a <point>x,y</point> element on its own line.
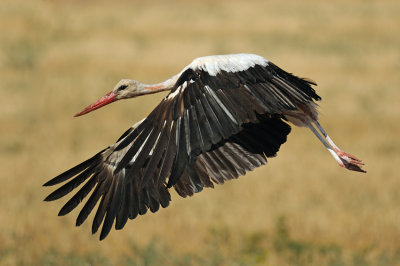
<point>230,63</point>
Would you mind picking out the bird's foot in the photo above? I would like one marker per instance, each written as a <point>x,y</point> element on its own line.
<point>350,162</point>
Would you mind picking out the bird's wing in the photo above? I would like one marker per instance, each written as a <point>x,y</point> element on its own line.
<point>209,128</point>
<point>211,108</point>
<point>233,157</point>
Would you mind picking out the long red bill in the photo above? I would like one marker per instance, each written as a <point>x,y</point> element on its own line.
<point>106,99</point>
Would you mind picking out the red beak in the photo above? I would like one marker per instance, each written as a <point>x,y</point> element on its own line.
<point>106,99</point>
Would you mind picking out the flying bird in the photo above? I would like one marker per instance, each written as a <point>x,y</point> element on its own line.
<point>224,115</point>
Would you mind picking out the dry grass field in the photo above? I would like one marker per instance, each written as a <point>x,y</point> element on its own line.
<point>56,57</point>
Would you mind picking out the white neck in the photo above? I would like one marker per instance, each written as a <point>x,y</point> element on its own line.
<point>163,86</point>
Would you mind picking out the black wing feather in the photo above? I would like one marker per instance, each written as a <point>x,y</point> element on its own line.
<point>115,201</point>
<point>123,214</point>
<point>78,197</point>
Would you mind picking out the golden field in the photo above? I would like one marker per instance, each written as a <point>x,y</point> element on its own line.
<point>57,57</point>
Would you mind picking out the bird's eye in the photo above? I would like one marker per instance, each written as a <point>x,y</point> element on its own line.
<point>122,87</point>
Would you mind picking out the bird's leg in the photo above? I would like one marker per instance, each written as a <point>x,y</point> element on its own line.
<point>336,148</point>
<point>344,159</point>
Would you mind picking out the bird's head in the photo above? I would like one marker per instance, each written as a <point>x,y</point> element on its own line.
<point>128,88</point>
<point>125,88</point>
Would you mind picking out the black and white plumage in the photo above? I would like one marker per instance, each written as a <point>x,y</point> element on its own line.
<point>224,116</point>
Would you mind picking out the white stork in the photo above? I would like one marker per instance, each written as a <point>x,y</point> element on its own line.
<point>224,115</point>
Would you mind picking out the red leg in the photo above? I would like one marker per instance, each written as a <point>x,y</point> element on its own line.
<point>344,159</point>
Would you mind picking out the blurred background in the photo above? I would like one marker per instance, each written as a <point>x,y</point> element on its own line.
<point>57,57</point>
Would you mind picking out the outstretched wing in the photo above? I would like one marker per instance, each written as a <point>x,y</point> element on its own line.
<point>218,122</point>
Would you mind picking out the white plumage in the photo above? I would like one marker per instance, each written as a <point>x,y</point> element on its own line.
<point>230,63</point>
